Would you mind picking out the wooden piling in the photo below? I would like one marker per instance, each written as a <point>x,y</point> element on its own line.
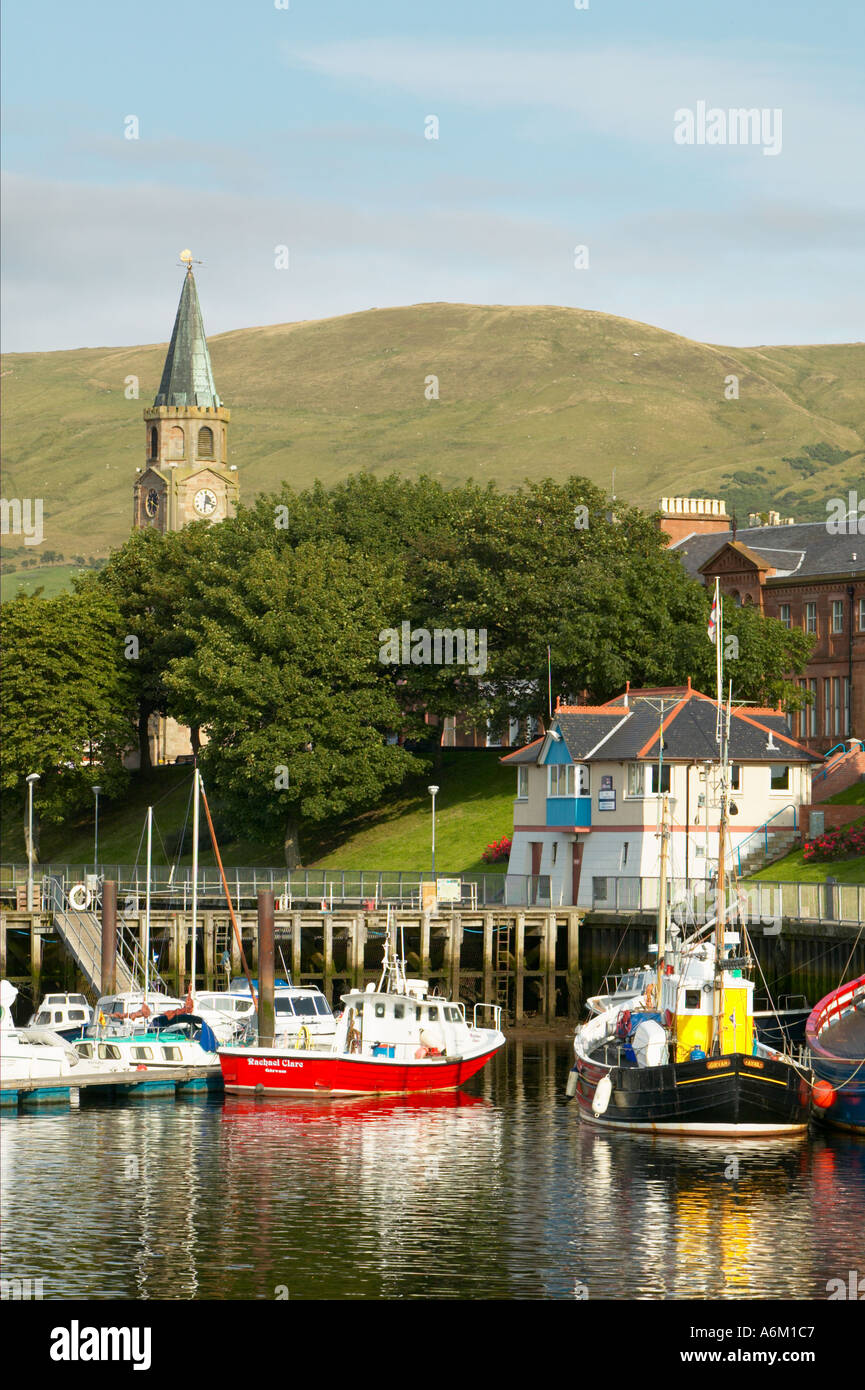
<point>295,948</point>
<point>209,949</point>
<point>575,976</point>
<point>489,986</point>
<point>108,965</point>
<point>266,1008</point>
<point>35,955</point>
<point>520,972</point>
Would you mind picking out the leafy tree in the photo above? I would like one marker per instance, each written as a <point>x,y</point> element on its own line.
<point>68,704</point>
<point>285,676</point>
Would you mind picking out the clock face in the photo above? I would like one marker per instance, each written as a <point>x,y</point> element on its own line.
<point>204,502</point>
<point>151,502</point>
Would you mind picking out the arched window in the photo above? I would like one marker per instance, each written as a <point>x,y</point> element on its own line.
<point>176,442</point>
<point>154,442</point>
<point>205,442</point>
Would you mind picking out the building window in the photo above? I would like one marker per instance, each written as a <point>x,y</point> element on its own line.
<point>837,615</point>
<point>812,710</point>
<point>522,783</point>
<point>584,787</point>
<point>836,704</point>
<point>811,618</point>
<point>735,777</point>
<point>154,442</point>
<point>862,615</point>
<point>785,614</point>
<point>562,779</point>
<point>635,780</point>
<point>779,777</point>
<point>205,442</point>
<point>599,890</point>
<point>660,781</point>
<point>555,850</point>
<point>827,706</point>
<point>624,853</point>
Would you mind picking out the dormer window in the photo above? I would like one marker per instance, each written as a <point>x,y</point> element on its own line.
<point>562,779</point>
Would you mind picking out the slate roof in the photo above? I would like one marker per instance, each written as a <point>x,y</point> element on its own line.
<point>689,732</point>
<point>801,552</point>
<point>187,377</point>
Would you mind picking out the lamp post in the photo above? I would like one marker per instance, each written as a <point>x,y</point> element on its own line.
<point>96,791</point>
<point>32,779</point>
<point>432,791</point>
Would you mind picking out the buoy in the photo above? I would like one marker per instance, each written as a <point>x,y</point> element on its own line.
<point>571,1087</point>
<point>601,1098</point>
<point>823,1095</point>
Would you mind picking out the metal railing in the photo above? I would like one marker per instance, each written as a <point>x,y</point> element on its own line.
<point>765,902</point>
<point>766,832</point>
<point>172,888</point>
<point>830,766</point>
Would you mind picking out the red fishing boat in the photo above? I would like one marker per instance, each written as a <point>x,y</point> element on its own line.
<point>393,1038</point>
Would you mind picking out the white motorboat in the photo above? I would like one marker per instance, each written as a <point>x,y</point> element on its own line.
<point>65,1014</point>
<point>36,1053</point>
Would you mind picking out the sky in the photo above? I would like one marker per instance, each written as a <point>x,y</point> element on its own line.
<point>304,125</point>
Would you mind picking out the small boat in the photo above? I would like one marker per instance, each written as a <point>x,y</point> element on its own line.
<point>176,1040</point>
<point>36,1053</point>
<point>628,987</point>
<point>394,1038</point>
<point>835,1034</point>
<point>299,1009</point>
<point>65,1014</point>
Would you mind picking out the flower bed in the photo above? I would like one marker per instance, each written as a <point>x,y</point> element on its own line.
<point>497,851</point>
<point>847,842</point>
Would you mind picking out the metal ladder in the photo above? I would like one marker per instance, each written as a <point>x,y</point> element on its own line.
<point>501,967</point>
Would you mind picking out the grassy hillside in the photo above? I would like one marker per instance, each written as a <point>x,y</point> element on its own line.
<point>474,806</point>
<point>523,392</point>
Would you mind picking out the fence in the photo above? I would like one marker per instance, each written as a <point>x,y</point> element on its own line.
<point>814,902</point>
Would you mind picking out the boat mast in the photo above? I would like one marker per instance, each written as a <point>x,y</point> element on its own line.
<point>194,873</point>
<point>147,902</point>
<point>722,735</point>
<point>662,899</point>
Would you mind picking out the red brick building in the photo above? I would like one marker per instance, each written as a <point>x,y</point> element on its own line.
<point>806,576</point>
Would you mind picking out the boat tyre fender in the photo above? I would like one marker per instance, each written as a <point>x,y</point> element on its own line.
<point>601,1098</point>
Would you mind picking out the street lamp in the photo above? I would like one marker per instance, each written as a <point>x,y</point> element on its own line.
<point>432,791</point>
<point>32,778</point>
<point>96,790</point>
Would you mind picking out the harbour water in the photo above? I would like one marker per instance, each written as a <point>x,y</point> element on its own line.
<point>498,1191</point>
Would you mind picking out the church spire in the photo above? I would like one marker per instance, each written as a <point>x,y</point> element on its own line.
<point>187,377</point>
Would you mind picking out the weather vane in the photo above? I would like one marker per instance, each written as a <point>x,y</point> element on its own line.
<point>187,259</point>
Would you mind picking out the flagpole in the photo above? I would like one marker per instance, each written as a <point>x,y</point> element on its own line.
<point>550,683</point>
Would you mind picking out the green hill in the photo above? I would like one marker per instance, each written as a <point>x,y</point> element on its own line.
<point>523,392</point>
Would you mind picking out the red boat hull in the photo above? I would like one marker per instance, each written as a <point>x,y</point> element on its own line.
<point>308,1073</point>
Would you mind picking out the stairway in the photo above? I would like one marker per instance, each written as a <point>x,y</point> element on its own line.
<point>81,934</point>
<point>759,853</point>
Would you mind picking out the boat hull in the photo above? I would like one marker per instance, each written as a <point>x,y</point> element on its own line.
<point>269,1071</point>
<point>835,1034</point>
<point>737,1094</point>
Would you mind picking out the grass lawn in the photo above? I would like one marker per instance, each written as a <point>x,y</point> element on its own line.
<point>851,796</point>
<point>793,869</point>
<point>474,806</point>
<point>52,579</point>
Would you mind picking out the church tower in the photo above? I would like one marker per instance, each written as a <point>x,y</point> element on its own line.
<point>187,476</point>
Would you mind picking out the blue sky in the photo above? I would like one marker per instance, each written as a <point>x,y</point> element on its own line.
<point>304,127</point>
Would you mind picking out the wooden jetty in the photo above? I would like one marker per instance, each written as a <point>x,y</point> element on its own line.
<point>535,961</point>
<point>115,1085</point>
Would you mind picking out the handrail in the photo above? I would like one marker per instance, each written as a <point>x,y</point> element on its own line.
<point>763,829</point>
<point>826,768</point>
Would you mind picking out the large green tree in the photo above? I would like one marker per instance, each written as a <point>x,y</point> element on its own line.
<point>285,677</point>
<point>68,700</point>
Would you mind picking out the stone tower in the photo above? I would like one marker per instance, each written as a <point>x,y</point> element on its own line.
<point>187,476</point>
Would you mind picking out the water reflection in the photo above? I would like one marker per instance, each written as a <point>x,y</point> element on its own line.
<point>497,1191</point>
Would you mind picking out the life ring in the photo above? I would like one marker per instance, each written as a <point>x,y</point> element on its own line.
<point>79,898</point>
<point>305,1035</point>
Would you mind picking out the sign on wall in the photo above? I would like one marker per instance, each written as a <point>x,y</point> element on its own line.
<point>607,795</point>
